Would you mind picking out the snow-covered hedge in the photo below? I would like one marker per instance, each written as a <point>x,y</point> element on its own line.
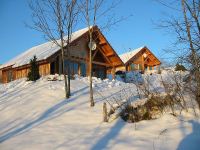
<point>134,77</point>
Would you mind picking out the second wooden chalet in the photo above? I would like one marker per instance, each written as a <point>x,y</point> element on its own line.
<point>139,59</point>
<point>105,59</point>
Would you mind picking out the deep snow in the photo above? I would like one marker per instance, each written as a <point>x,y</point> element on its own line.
<point>37,116</point>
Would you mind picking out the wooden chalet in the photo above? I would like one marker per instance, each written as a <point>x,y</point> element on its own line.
<point>105,59</point>
<point>139,59</point>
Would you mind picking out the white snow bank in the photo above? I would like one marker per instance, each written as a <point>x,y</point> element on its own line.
<point>134,77</point>
<point>100,84</point>
<point>36,115</point>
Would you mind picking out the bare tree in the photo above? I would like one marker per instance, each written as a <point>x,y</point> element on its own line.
<point>55,19</point>
<point>94,13</point>
<point>193,39</point>
<point>187,31</point>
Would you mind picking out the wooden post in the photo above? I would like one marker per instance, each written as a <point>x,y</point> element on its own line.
<point>142,63</point>
<point>105,116</point>
<point>113,72</point>
<point>79,69</point>
<point>1,76</point>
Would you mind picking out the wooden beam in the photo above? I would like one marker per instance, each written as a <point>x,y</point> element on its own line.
<point>102,43</point>
<point>102,38</point>
<point>110,54</point>
<point>76,59</point>
<point>87,60</point>
<point>100,63</point>
<point>142,62</point>
<point>105,56</point>
<point>95,54</point>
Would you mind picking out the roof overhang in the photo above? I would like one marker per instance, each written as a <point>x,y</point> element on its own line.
<point>145,48</point>
<point>106,49</point>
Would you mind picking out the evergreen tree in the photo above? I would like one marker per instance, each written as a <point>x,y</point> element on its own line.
<point>33,75</point>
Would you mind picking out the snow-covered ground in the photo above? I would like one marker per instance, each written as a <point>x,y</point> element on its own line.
<point>36,116</point>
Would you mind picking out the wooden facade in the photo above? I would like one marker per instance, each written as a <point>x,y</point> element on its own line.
<point>104,60</point>
<point>143,60</point>
<point>9,74</point>
<point>0,76</point>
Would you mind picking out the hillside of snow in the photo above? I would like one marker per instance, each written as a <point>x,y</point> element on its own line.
<point>36,116</point>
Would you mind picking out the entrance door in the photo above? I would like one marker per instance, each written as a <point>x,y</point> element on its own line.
<point>9,75</point>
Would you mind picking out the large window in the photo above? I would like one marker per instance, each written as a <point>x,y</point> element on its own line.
<point>65,66</point>
<point>73,67</point>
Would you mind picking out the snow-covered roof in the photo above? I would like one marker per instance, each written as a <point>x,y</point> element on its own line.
<point>127,56</point>
<point>42,51</point>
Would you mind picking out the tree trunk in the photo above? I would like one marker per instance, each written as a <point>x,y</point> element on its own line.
<point>90,72</point>
<point>68,70</point>
<point>69,75</point>
<point>63,70</point>
<point>194,58</point>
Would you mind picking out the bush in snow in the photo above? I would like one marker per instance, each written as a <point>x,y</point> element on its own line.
<point>159,71</point>
<point>33,75</point>
<point>155,103</point>
<point>180,68</point>
<point>134,77</point>
<point>153,108</point>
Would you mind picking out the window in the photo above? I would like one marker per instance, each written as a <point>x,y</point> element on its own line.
<point>73,67</point>
<point>150,67</point>
<point>65,66</point>
<point>146,68</point>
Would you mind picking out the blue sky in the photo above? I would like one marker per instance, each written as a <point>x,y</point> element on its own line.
<point>134,32</point>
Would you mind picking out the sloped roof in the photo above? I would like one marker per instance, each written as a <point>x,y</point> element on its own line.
<point>42,51</point>
<point>127,56</point>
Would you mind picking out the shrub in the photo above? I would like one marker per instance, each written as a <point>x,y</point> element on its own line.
<point>33,75</point>
<point>180,68</point>
<point>151,109</point>
<point>159,71</point>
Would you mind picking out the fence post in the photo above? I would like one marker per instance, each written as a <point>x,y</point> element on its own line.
<point>105,114</point>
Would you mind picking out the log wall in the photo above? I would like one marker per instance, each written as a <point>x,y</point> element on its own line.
<point>44,69</point>
<point>17,73</point>
<point>21,73</point>
<point>0,76</point>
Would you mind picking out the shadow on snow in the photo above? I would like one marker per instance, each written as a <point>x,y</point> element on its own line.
<point>191,141</point>
<point>112,133</point>
<point>51,113</point>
